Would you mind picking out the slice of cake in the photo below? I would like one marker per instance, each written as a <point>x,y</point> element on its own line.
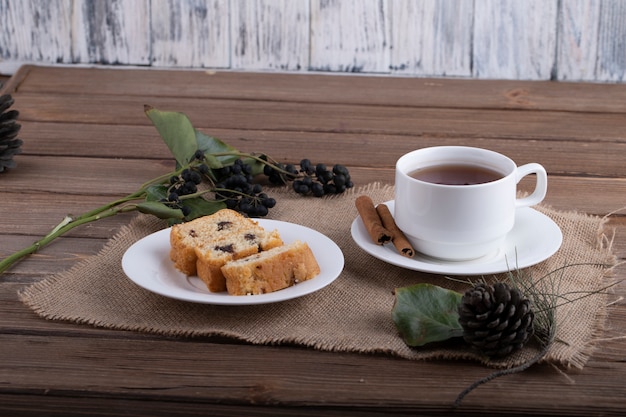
<point>271,270</point>
<point>202,246</point>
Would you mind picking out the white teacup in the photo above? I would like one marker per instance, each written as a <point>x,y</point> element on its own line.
<point>461,218</point>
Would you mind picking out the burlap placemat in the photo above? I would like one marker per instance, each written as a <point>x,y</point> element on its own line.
<point>353,314</point>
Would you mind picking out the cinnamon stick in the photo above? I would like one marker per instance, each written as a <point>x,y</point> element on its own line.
<point>371,220</point>
<point>398,238</point>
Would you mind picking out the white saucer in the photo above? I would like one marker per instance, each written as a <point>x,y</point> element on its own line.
<point>147,263</point>
<point>534,238</point>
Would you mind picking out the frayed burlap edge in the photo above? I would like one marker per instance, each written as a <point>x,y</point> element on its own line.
<point>605,238</point>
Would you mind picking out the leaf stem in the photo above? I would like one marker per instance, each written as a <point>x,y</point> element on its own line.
<point>272,163</point>
<point>68,223</point>
<point>502,372</point>
<point>63,227</point>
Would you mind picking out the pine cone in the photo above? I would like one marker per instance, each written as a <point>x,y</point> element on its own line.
<point>10,145</point>
<point>497,320</point>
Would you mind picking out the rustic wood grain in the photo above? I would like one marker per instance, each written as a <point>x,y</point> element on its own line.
<point>350,35</point>
<point>111,32</point>
<point>577,40</point>
<point>431,37</point>
<point>36,31</point>
<point>366,381</point>
<point>601,158</point>
<point>190,34</point>
<point>57,368</point>
<point>468,124</point>
<point>270,34</point>
<point>514,39</point>
<point>611,56</point>
<point>577,46</point>
<point>307,88</point>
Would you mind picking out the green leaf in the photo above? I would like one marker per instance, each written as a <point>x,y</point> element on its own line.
<point>176,131</point>
<point>210,145</point>
<point>159,210</point>
<point>202,207</point>
<point>156,192</point>
<point>255,164</point>
<point>425,313</point>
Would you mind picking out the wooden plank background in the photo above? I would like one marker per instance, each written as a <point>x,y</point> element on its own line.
<point>566,40</point>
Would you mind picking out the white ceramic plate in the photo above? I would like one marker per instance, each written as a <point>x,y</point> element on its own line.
<point>147,263</point>
<point>534,238</point>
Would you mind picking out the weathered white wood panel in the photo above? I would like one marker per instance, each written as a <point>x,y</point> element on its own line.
<point>36,30</point>
<point>192,33</point>
<point>350,35</point>
<point>611,61</point>
<point>111,32</point>
<point>431,37</point>
<point>515,39</point>
<point>578,39</point>
<point>270,34</point>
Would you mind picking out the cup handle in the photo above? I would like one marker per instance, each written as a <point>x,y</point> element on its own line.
<point>541,187</point>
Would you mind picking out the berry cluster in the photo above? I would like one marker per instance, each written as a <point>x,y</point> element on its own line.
<point>316,180</point>
<point>184,184</point>
<point>280,174</point>
<point>235,185</point>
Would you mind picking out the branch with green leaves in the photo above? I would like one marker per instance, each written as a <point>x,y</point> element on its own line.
<point>209,175</point>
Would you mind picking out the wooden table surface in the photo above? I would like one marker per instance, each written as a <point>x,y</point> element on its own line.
<point>87,141</point>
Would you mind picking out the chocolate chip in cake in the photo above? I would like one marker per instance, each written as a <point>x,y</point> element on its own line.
<point>193,233</point>
<point>226,248</point>
<point>250,236</point>
<point>223,225</point>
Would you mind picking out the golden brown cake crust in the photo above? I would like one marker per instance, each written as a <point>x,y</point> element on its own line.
<point>271,270</point>
<point>201,246</point>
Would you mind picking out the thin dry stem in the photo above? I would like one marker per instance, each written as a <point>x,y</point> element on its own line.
<point>545,298</point>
